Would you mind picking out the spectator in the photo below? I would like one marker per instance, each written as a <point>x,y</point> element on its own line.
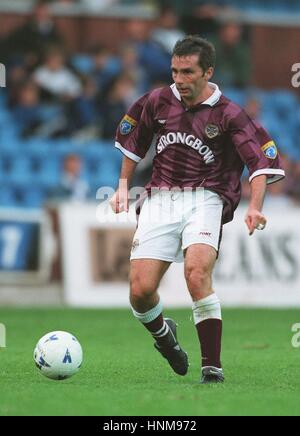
<point>148,50</point>
<point>82,111</point>
<point>167,33</point>
<point>55,78</point>
<point>197,16</point>
<point>105,67</point>
<point>130,64</point>
<point>119,97</point>
<point>27,112</point>
<point>28,42</point>
<point>233,57</point>
<point>17,76</point>
<point>72,186</point>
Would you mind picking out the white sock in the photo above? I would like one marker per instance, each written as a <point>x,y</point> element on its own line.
<point>149,316</point>
<point>162,336</point>
<point>207,308</point>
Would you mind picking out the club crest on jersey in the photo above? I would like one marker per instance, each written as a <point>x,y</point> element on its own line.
<point>127,125</point>
<point>211,131</point>
<point>135,244</point>
<point>270,150</point>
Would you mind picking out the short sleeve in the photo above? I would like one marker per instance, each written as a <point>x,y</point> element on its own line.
<point>256,148</point>
<point>136,130</point>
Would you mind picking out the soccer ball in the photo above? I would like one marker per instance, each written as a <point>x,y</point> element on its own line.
<point>58,355</point>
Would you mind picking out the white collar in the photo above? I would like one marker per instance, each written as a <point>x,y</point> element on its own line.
<point>211,101</point>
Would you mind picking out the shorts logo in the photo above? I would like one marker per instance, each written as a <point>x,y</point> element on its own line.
<point>127,125</point>
<point>270,150</point>
<point>135,244</point>
<point>211,131</point>
<point>205,234</point>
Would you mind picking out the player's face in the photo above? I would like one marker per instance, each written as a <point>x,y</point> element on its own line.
<point>189,77</point>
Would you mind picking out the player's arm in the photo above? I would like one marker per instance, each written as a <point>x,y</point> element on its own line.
<point>120,200</point>
<point>259,153</point>
<point>254,217</point>
<point>133,139</point>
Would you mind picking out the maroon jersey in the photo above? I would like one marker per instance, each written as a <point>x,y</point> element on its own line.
<point>207,145</point>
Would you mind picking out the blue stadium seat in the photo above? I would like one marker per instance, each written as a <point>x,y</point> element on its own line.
<point>20,170</point>
<point>39,146</point>
<point>47,171</point>
<point>82,63</point>
<point>34,197</point>
<point>237,96</point>
<point>9,133</point>
<point>104,174</point>
<point>282,102</point>
<point>7,196</point>
<point>270,121</point>
<point>103,154</point>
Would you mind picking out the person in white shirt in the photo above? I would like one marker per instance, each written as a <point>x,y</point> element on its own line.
<point>55,77</point>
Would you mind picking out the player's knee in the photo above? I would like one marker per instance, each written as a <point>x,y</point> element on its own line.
<point>140,289</point>
<point>198,277</point>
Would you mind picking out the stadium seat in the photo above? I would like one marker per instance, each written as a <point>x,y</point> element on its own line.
<point>47,172</point>
<point>281,102</point>
<point>82,63</point>
<point>7,196</point>
<point>20,170</point>
<point>236,95</point>
<point>34,197</point>
<point>105,174</point>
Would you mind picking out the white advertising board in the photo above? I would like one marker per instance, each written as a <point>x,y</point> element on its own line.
<point>261,270</point>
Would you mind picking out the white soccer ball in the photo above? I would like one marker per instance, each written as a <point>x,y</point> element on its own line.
<point>58,355</point>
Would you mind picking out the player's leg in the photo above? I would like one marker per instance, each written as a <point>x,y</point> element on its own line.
<point>145,276</point>
<point>199,264</point>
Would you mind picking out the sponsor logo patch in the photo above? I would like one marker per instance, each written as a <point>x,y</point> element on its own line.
<point>270,150</point>
<point>211,131</point>
<point>127,125</point>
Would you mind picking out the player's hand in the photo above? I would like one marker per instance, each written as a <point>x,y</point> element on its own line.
<point>119,201</point>
<point>255,220</point>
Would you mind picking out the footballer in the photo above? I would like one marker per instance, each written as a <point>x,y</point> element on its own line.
<point>203,142</point>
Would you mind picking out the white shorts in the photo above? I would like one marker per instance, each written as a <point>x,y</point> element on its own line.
<point>170,222</point>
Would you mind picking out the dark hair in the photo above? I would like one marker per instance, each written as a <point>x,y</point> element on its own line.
<point>195,45</point>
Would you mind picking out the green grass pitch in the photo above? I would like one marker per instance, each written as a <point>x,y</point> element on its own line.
<point>123,374</point>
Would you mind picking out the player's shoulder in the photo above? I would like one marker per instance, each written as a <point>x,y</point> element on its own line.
<point>154,99</point>
<point>229,107</point>
<point>164,93</point>
<point>232,113</point>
